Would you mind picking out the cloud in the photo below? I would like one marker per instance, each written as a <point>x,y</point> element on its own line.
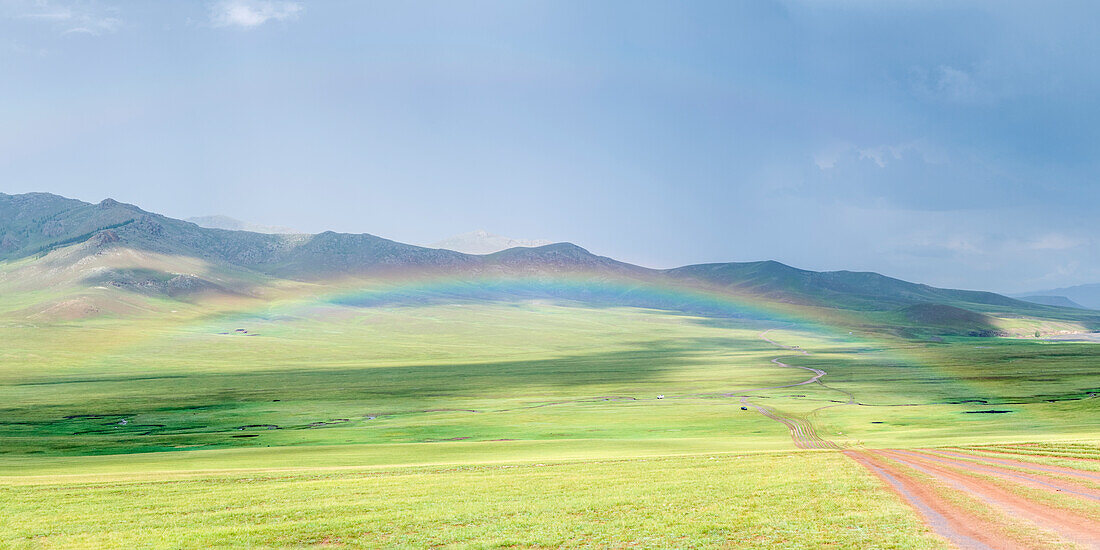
<point>828,158</point>
<point>955,84</point>
<point>978,249</point>
<point>54,14</point>
<point>252,13</point>
<point>89,18</point>
<point>882,154</point>
<point>20,48</point>
<point>952,237</point>
<point>948,84</point>
<point>1054,241</point>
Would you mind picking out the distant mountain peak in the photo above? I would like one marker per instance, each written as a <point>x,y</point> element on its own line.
<point>483,242</point>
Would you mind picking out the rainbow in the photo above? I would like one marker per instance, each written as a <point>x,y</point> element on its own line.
<point>601,289</point>
<point>586,288</point>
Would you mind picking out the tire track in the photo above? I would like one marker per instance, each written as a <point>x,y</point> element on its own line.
<point>1035,481</point>
<point>944,520</point>
<point>1095,476</point>
<point>1025,450</point>
<point>1066,524</point>
<point>803,433</point>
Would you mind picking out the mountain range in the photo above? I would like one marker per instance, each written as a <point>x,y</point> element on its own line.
<point>65,258</point>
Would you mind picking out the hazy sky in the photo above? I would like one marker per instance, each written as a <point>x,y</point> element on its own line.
<point>952,143</point>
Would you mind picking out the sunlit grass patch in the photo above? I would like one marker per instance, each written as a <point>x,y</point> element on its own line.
<point>749,501</point>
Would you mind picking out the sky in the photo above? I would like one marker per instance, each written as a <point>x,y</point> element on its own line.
<point>949,143</point>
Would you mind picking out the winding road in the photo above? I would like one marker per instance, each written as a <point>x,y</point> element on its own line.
<point>803,433</point>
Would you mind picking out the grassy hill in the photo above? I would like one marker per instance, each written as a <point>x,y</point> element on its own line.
<point>886,301</point>
<point>843,289</point>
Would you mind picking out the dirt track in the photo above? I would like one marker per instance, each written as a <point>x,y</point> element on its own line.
<point>978,504</point>
<point>945,520</point>
<point>972,501</point>
<point>1028,465</point>
<point>803,433</point>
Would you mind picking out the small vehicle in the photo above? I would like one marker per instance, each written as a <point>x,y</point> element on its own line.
<point>744,408</point>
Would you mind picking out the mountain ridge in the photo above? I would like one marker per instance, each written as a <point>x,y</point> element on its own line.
<point>117,245</point>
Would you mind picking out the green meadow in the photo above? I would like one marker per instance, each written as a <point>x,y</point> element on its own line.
<point>792,500</point>
<point>492,424</point>
<point>525,372</point>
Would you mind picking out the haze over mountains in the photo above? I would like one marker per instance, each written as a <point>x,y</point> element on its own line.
<point>483,242</point>
<point>64,249</point>
<point>1087,296</point>
<point>1059,301</point>
<point>219,221</point>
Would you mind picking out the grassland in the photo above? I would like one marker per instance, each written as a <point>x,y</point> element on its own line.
<point>383,376</point>
<point>751,501</point>
<point>526,372</point>
<point>422,426</point>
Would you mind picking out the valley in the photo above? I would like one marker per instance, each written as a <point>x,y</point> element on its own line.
<point>206,387</point>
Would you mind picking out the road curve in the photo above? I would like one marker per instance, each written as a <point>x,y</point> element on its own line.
<point>802,430</point>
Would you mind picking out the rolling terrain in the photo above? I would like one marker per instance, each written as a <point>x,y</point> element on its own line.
<point>50,243</point>
<point>209,387</point>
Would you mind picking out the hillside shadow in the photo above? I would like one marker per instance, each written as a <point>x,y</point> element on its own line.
<point>596,296</point>
<point>114,394</point>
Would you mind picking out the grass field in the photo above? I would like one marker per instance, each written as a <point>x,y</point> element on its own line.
<point>423,425</point>
<point>391,376</point>
<point>751,501</point>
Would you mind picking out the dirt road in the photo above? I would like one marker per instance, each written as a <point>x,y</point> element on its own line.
<point>975,502</point>
<point>803,433</point>
<point>1009,500</point>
